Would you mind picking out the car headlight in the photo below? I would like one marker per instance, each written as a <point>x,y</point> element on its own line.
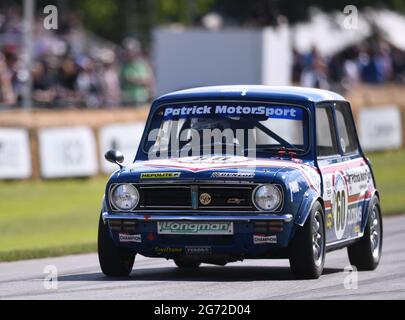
<point>267,197</point>
<point>125,197</point>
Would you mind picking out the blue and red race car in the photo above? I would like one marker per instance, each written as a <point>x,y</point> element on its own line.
<point>229,173</point>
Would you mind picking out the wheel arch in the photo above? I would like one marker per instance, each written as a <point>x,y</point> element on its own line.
<point>374,194</point>
<point>304,211</point>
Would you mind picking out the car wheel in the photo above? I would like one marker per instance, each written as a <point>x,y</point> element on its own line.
<point>307,251</point>
<point>185,263</point>
<point>114,261</point>
<point>365,254</point>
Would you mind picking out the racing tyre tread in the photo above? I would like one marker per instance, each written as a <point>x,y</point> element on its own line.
<point>114,261</point>
<point>360,253</point>
<point>302,261</point>
<point>186,263</point>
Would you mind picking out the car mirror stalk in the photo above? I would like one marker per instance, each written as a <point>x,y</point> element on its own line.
<point>115,156</point>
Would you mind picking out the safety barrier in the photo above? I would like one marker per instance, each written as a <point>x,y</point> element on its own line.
<point>71,143</point>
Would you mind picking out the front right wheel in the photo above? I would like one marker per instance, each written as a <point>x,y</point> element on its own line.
<point>307,250</point>
<point>114,261</point>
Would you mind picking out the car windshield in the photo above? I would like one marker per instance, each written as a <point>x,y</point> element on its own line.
<point>195,129</point>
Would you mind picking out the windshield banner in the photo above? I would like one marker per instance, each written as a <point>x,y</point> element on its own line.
<point>228,110</point>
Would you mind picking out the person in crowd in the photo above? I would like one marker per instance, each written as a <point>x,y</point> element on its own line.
<point>67,79</point>
<point>7,95</point>
<point>315,70</point>
<point>110,82</point>
<point>136,75</point>
<point>297,66</point>
<point>377,70</point>
<point>44,92</point>
<point>13,66</point>
<point>88,84</point>
<point>398,65</point>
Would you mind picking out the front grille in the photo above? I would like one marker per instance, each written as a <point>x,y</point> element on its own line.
<point>227,197</point>
<point>165,197</point>
<point>221,197</point>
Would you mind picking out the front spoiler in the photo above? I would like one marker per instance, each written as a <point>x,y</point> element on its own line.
<point>197,217</point>
<point>241,244</point>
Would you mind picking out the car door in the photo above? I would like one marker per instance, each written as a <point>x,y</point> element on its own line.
<point>346,177</point>
<point>357,174</point>
<point>332,168</point>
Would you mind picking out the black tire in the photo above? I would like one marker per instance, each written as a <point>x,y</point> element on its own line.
<point>305,262</point>
<point>364,254</point>
<point>114,261</point>
<point>185,263</point>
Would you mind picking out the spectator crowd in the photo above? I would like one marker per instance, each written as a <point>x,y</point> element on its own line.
<point>71,67</point>
<point>74,68</point>
<point>373,61</point>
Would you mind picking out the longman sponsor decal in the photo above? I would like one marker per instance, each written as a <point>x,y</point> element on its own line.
<point>170,227</point>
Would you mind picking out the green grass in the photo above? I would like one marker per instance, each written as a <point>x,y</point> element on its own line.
<point>53,218</point>
<point>39,219</point>
<point>389,171</point>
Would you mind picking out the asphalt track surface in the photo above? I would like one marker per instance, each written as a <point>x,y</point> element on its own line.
<point>79,277</point>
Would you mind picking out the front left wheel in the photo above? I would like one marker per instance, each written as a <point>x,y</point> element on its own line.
<point>114,261</point>
<point>307,251</point>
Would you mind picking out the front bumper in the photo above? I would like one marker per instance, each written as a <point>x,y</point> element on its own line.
<point>201,217</point>
<point>241,243</point>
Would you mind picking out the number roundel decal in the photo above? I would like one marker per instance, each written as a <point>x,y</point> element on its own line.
<point>339,205</point>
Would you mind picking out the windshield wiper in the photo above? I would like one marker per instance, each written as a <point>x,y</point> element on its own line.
<point>284,150</point>
<point>214,144</point>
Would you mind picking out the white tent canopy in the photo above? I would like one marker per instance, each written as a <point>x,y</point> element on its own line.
<point>327,32</point>
<point>392,24</point>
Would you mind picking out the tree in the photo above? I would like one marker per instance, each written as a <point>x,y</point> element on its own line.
<point>116,19</point>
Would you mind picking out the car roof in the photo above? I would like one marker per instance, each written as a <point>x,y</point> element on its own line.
<point>238,92</point>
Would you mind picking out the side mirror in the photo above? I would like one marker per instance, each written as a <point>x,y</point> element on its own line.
<point>115,156</point>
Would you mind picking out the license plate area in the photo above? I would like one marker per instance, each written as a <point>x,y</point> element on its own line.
<point>195,228</point>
